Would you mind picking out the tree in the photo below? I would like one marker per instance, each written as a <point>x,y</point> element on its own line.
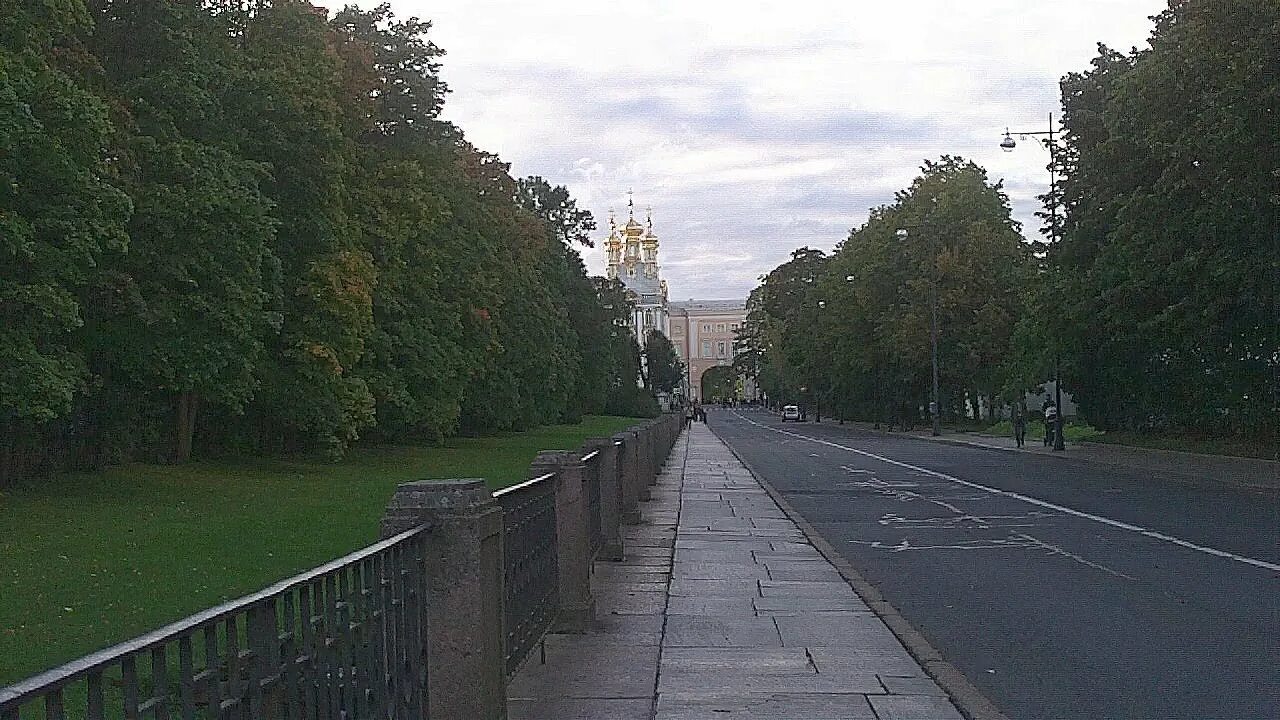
<point>663,366</point>
<point>61,211</point>
<point>200,234</point>
<point>292,115</point>
<point>1167,270</point>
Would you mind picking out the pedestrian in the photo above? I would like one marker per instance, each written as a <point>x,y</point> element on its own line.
<point>1019,425</point>
<point>688,415</point>
<point>1050,422</point>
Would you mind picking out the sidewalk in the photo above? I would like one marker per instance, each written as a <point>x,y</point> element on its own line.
<point>1253,473</point>
<point>724,611</point>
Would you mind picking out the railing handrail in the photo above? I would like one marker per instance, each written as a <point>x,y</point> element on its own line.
<point>523,485</point>
<point>66,673</point>
<point>590,456</point>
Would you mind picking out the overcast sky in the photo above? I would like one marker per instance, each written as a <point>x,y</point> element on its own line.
<point>754,128</point>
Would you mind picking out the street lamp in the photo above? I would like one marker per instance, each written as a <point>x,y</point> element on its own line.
<point>1050,144</point>
<point>935,409</point>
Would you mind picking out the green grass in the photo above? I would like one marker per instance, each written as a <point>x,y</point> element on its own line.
<point>91,559</point>
<point>1073,431</point>
<point>1252,447</point>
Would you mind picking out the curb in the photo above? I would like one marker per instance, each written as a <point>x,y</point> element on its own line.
<point>968,699</point>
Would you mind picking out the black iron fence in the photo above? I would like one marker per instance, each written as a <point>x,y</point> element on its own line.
<point>343,641</point>
<point>592,461</point>
<point>349,640</point>
<point>530,564</point>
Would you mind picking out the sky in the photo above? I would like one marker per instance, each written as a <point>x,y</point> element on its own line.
<point>755,128</point>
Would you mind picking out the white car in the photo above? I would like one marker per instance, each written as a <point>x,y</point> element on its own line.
<point>790,412</point>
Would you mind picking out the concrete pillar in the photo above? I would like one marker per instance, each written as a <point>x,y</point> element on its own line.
<point>466,667</point>
<point>627,474</point>
<point>610,496</point>
<point>573,537</point>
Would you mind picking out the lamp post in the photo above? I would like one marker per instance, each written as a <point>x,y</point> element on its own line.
<point>1047,139</point>
<point>935,408</point>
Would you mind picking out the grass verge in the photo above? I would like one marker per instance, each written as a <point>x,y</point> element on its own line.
<point>90,559</point>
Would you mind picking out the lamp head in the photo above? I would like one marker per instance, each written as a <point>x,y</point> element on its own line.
<point>1008,143</point>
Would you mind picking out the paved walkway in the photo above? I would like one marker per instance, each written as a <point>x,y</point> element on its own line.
<point>724,611</point>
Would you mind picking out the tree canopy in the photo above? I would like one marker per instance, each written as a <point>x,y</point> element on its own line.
<point>237,228</point>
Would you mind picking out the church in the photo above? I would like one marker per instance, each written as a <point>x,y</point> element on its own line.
<point>632,254</point>
<point>702,331</point>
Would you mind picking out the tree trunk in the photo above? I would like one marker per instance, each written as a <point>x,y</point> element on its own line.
<point>185,426</point>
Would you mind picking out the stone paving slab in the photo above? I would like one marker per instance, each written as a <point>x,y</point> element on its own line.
<point>722,610</point>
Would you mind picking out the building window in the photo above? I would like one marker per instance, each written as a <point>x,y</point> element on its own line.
<point>720,327</point>
<point>706,348</point>
<point>648,318</point>
<point>733,326</point>
<point>720,349</point>
<point>706,328</point>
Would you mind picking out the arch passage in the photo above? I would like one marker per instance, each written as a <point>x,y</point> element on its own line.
<point>719,383</point>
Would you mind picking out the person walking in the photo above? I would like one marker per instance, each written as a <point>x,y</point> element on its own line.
<point>688,415</point>
<point>1019,425</point>
<point>1050,423</point>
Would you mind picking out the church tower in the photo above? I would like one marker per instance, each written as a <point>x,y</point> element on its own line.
<point>632,254</point>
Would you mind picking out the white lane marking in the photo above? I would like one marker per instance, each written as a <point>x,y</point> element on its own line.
<point>1154,534</point>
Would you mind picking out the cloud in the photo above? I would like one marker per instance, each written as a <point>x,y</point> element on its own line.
<point>755,127</point>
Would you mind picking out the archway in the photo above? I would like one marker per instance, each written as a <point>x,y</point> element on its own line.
<point>719,383</point>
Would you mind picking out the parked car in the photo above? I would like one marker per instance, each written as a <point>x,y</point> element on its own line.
<point>790,412</point>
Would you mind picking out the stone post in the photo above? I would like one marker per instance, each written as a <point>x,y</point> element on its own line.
<point>644,462</point>
<point>627,475</point>
<point>573,537</point>
<point>610,496</point>
<point>466,666</point>
<point>651,453</point>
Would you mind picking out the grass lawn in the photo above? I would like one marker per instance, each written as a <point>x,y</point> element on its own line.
<point>90,559</point>
<point>1073,431</point>
<point>1250,447</point>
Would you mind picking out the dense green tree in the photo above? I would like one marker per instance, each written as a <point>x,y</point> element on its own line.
<point>61,211</point>
<point>663,369</point>
<point>1166,274</point>
<point>850,334</point>
<point>194,329</point>
<point>292,117</point>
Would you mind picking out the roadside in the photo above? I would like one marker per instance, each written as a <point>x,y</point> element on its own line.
<point>1252,473</point>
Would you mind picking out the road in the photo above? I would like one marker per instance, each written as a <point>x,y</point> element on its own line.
<point>1061,589</point>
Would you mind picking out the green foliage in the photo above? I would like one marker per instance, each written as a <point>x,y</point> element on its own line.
<point>1167,271</point>
<point>61,209</point>
<point>248,229</point>
<point>664,371</point>
<point>849,334</point>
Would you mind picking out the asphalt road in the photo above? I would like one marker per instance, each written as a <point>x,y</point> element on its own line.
<point>1061,589</point>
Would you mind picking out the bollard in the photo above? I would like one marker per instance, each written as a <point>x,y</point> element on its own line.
<point>573,538</point>
<point>610,496</point>
<point>466,671</point>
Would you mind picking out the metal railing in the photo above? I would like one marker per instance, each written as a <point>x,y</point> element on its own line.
<point>344,640</point>
<point>531,572</point>
<point>592,461</point>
